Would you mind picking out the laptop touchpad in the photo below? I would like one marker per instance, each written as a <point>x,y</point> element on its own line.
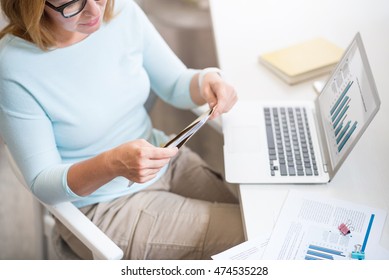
<point>244,139</point>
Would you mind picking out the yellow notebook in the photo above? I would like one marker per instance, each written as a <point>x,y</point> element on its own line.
<point>303,61</point>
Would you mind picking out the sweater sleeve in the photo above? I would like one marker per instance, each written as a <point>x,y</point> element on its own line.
<point>28,133</point>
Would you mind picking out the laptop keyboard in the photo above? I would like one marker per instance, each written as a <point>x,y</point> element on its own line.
<point>289,142</point>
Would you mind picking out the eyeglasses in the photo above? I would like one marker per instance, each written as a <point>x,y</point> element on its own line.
<point>69,9</point>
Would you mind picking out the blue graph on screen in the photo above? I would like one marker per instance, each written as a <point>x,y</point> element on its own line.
<point>343,129</point>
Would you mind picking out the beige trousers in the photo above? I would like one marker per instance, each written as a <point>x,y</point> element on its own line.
<point>190,213</point>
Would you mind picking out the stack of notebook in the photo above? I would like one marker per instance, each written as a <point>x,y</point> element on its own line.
<point>303,61</point>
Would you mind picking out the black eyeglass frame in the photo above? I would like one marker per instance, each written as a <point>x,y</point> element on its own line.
<point>61,8</point>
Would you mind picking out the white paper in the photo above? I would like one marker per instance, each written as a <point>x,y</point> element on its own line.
<point>250,250</point>
<point>307,228</point>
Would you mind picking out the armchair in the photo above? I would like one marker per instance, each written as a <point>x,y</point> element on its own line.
<point>88,233</point>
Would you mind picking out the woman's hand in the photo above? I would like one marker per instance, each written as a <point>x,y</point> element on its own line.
<point>139,161</point>
<point>216,92</point>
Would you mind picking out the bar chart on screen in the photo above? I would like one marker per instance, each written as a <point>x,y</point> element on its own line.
<point>343,129</point>
<point>348,107</point>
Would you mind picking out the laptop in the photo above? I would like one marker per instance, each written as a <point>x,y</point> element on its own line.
<point>302,142</point>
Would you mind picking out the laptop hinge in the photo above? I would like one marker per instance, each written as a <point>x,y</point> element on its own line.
<point>325,168</point>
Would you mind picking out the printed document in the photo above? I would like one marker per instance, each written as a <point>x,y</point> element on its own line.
<point>308,229</point>
<point>250,250</point>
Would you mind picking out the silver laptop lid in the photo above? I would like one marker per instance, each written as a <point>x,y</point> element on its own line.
<point>346,105</point>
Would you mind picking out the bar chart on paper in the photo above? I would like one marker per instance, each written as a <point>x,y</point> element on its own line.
<point>320,243</point>
<point>315,252</point>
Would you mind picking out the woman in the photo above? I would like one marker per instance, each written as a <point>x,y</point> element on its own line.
<point>74,76</point>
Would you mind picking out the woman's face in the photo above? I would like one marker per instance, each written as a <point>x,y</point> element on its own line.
<point>77,27</point>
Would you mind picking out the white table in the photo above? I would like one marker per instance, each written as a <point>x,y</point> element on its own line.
<point>245,28</point>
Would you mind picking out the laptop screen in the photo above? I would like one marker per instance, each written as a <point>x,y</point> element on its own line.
<point>348,102</point>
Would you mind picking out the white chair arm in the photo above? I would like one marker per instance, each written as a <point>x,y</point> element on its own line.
<point>102,247</point>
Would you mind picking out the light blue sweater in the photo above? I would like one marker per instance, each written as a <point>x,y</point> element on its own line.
<point>66,105</point>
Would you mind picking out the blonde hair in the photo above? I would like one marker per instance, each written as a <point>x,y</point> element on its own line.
<point>27,20</point>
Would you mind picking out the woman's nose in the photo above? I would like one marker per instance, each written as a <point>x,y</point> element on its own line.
<point>91,8</point>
